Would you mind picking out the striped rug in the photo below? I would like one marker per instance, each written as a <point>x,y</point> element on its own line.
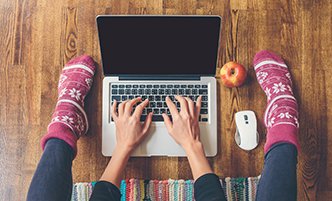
<point>173,190</point>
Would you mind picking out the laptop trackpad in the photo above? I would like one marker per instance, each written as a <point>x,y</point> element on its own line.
<point>159,143</point>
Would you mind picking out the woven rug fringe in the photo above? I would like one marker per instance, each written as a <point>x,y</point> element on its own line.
<point>240,189</point>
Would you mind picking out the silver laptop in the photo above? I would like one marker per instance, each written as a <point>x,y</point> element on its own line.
<point>154,57</point>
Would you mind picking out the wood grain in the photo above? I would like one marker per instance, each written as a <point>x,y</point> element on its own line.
<point>37,38</point>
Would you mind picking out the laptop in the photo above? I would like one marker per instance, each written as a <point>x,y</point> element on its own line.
<point>154,57</point>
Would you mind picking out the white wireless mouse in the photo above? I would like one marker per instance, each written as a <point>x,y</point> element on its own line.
<point>246,135</point>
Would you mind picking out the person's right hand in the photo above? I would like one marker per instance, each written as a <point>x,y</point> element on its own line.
<point>185,131</point>
<point>185,127</point>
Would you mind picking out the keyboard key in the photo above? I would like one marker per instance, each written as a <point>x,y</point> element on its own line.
<point>154,91</point>
<point>152,104</point>
<point>121,86</point>
<point>128,86</point>
<point>114,86</point>
<point>127,91</point>
<point>161,91</point>
<point>141,91</point>
<point>204,86</point>
<point>121,91</point>
<point>143,117</point>
<point>124,98</point>
<point>181,91</point>
<point>204,111</point>
<point>155,86</point>
<point>197,86</point>
<point>118,98</point>
<point>169,86</point>
<point>194,91</point>
<point>188,91</point>
<point>114,91</point>
<point>204,104</point>
<point>159,104</point>
<point>157,98</point>
<point>190,86</point>
<point>149,86</point>
<point>183,86</point>
<point>204,119</point>
<point>174,91</point>
<point>151,98</point>
<point>167,91</point>
<point>203,91</point>
<point>204,98</point>
<point>157,118</point>
<point>147,91</point>
<point>135,86</point>
<point>142,86</point>
<point>134,91</point>
<point>176,86</point>
<point>155,111</point>
<point>163,86</point>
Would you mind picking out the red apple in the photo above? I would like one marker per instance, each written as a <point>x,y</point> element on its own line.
<point>233,74</point>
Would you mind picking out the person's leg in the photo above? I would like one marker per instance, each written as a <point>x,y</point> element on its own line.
<point>52,179</point>
<point>278,180</point>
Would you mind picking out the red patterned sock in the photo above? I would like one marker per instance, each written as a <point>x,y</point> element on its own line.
<point>69,121</point>
<point>281,114</point>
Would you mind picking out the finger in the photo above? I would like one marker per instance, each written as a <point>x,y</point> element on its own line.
<point>168,123</point>
<point>130,104</point>
<point>113,110</point>
<point>147,123</point>
<point>139,109</point>
<point>183,103</point>
<point>191,106</point>
<point>198,106</point>
<point>121,107</point>
<point>171,106</point>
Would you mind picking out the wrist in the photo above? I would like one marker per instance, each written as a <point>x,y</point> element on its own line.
<point>122,151</point>
<point>197,159</point>
<point>194,146</point>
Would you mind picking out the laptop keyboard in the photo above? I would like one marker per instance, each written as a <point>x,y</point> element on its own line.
<point>157,93</point>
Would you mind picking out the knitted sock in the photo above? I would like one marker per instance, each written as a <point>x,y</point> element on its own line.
<point>281,114</point>
<point>69,121</point>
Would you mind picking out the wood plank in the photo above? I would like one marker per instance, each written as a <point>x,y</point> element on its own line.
<point>13,155</point>
<point>313,133</point>
<point>33,54</point>
<point>69,34</point>
<point>16,93</point>
<point>6,42</point>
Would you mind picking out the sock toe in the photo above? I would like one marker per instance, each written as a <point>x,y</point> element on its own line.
<point>84,59</point>
<point>266,55</point>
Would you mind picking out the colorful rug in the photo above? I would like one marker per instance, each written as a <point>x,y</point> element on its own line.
<point>173,190</point>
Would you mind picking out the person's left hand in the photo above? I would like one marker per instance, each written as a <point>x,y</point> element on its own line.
<point>129,130</point>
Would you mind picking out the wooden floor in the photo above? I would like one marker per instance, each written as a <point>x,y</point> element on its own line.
<point>38,37</point>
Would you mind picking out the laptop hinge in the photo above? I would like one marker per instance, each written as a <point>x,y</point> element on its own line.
<point>158,77</point>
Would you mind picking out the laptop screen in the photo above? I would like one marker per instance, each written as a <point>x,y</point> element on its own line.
<point>153,45</point>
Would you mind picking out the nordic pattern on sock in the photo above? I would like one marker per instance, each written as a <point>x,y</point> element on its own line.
<point>74,84</point>
<point>275,80</point>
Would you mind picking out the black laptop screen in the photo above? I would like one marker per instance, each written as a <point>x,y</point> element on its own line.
<point>176,45</point>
